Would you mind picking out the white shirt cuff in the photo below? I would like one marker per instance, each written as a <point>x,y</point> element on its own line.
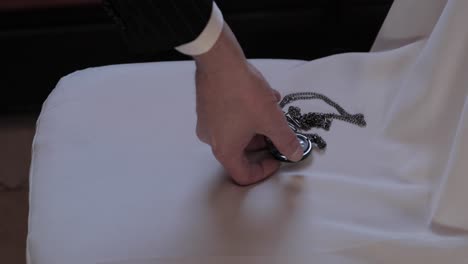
<point>206,40</point>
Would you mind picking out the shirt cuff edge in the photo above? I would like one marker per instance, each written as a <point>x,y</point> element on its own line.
<point>208,37</point>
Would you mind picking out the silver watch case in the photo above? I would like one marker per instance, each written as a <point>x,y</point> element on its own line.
<point>305,142</point>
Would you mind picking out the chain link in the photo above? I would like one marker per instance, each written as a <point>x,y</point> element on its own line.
<point>317,120</point>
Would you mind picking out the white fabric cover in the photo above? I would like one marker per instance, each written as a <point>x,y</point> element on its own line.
<point>118,176</point>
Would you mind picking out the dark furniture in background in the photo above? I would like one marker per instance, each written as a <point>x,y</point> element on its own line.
<point>43,40</point>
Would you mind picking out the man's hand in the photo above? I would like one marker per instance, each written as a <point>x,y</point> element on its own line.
<point>236,107</point>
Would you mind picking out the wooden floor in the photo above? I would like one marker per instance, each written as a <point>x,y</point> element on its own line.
<point>13,226</point>
<point>15,150</point>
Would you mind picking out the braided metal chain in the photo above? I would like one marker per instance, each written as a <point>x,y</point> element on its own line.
<point>318,120</point>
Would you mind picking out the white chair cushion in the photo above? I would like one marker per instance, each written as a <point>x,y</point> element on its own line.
<point>119,175</point>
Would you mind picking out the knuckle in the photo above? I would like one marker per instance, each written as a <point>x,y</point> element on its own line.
<point>241,181</point>
<point>221,153</point>
<point>199,132</point>
<point>201,135</point>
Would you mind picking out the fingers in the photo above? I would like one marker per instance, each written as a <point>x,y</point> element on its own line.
<point>246,172</point>
<point>261,169</point>
<point>257,143</point>
<point>245,167</point>
<point>285,140</point>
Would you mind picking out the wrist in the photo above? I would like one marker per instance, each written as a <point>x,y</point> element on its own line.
<point>226,54</point>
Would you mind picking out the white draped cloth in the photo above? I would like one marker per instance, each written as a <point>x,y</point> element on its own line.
<point>108,186</point>
<point>429,105</point>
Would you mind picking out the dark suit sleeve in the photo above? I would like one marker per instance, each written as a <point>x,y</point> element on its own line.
<point>157,25</point>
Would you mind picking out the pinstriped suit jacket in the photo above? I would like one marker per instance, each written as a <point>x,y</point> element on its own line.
<point>157,25</point>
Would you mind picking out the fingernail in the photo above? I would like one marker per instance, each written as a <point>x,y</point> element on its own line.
<point>297,155</point>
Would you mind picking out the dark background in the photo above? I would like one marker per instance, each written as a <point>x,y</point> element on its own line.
<point>43,40</point>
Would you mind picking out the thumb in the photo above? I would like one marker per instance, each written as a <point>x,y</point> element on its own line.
<point>277,95</point>
<point>284,139</point>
